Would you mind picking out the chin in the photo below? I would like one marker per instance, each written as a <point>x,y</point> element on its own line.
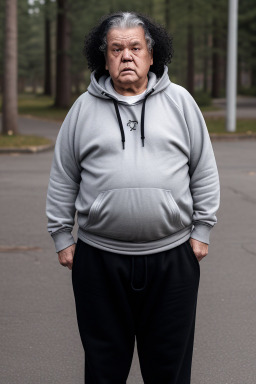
<point>127,82</point>
<point>128,79</point>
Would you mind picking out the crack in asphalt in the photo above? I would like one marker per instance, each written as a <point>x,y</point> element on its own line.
<point>248,250</point>
<point>243,195</point>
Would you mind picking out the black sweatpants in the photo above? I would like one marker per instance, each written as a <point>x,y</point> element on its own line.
<point>152,297</point>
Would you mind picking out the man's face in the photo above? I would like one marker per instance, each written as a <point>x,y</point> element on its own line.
<point>128,59</point>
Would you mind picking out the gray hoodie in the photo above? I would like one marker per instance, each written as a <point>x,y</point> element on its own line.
<point>142,177</point>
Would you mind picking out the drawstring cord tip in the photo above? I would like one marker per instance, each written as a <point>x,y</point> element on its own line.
<point>142,142</point>
<point>123,144</point>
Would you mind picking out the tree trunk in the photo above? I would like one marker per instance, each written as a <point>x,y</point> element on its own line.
<point>253,68</point>
<point>47,42</point>
<point>190,50</point>
<point>215,67</point>
<point>10,94</point>
<point>205,62</point>
<point>63,76</point>
<point>1,83</point>
<point>216,50</point>
<point>253,78</point>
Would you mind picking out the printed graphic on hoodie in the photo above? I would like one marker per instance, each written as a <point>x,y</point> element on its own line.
<point>132,124</point>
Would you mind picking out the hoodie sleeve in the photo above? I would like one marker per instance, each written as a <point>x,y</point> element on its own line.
<point>204,178</point>
<point>64,183</point>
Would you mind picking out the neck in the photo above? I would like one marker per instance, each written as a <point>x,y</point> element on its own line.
<point>130,89</point>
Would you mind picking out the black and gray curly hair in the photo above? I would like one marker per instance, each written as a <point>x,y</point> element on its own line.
<point>156,36</point>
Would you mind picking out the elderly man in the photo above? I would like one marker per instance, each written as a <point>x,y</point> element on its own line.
<point>133,158</point>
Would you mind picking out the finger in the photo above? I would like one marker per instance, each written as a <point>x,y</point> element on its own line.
<point>68,264</point>
<point>63,262</point>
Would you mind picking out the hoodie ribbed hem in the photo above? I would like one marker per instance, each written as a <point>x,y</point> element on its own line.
<point>201,232</point>
<point>62,240</point>
<point>130,248</point>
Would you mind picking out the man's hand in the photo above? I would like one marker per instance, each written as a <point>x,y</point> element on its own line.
<point>66,256</point>
<point>200,249</point>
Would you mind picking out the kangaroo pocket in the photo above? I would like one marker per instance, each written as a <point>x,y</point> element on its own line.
<point>134,214</point>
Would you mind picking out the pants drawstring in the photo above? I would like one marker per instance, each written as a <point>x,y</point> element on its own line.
<point>132,276</point>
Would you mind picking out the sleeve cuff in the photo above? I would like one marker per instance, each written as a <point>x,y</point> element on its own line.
<point>62,240</point>
<point>201,233</point>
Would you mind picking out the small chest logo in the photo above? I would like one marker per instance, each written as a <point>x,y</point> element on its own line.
<point>132,124</point>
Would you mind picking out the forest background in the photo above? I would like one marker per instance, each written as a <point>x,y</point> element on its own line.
<point>51,35</point>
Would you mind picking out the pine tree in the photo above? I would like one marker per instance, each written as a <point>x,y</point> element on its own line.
<point>10,92</point>
<point>63,62</point>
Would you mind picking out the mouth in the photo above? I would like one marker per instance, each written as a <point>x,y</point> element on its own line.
<point>127,70</point>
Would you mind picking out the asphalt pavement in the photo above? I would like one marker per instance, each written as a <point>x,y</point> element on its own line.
<point>39,338</point>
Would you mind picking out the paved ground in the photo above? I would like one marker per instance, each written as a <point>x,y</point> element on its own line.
<point>38,332</point>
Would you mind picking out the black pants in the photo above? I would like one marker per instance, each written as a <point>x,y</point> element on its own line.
<point>152,297</point>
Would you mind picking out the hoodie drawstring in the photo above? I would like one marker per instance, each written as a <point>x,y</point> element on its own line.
<point>120,122</point>
<point>143,116</point>
<point>142,129</point>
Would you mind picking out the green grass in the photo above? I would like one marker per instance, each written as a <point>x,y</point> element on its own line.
<point>218,125</point>
<point>41,106</point>
<point>19,141</point>
<point>210,108</point>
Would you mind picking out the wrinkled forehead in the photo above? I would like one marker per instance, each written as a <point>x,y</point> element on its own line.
<point>126,35</point>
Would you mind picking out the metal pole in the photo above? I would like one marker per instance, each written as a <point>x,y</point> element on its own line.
<point>232,66</point>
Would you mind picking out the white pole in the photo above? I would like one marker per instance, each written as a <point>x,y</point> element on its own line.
<point>232,66</point>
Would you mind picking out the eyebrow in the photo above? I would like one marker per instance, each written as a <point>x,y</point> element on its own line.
<point>115,44</point>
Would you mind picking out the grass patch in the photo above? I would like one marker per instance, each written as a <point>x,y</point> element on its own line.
<point>210,108</point>
<point>218,125</point>
<point>19,141</point>
<point>40,106</point>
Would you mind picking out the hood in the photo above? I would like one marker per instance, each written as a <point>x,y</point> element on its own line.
<point>155,85</point>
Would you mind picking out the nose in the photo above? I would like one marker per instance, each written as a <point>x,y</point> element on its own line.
<point>126,55</point>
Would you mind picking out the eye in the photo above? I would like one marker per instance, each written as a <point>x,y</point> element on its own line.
<point>116,49</point>
<point>135,49</point>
